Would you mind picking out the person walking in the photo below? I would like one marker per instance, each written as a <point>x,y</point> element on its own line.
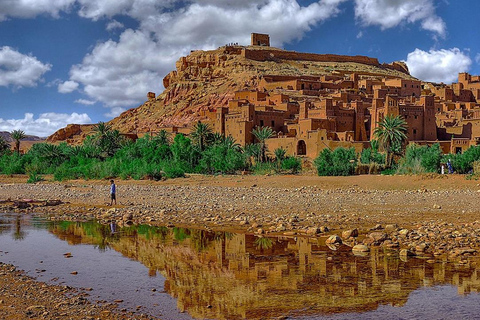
<point>113,191</point>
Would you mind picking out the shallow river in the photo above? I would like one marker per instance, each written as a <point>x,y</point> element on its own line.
<point>177,273</point>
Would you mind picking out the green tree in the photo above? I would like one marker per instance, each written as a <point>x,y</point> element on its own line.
<point>18,135</point>
<point>339,162</point>
<point>253,152</point>
<point>201,135</point>
<point>162,138</point>
<point>107,140</point>
<point>391,134</point>
<point>262,134</point>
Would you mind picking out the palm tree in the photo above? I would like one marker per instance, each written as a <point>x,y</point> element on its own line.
<point>262,134</point>
<point>279,156</point>
<point>4,145</point>
<point>101,129</point>
<point>391,134</point>
<point>163,137</point>
<point>201,134</point>
<point>108,140</point>
<point>18,135</point>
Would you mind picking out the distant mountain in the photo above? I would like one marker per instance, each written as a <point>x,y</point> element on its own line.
<point>6,135</point>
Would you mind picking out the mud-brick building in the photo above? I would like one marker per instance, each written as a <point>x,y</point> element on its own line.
<point>250,109</point>
<point>458,112</point>
<point>331,124</point>
<point>418,113</point>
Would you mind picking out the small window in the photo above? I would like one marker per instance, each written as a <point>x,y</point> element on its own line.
<point>414,131</point>
<point>273,124</point>
<point>261,123</point>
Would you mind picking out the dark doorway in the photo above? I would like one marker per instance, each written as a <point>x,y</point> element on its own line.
<point>301,148</point>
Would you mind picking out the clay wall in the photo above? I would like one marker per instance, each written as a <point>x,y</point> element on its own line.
<point>277,99</point>
<point>444,93</point>
<point>407,87</point>
<point>239,129</point>
<point>345,120</point>
<point>273,119</point>
<point>465,95</point>
<point>251,96</point>
<point>267,55</point>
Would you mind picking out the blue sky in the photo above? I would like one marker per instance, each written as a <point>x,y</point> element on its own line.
<point>84,61</point>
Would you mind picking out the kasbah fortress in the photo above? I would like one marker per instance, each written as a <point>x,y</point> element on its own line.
<point>311,101</point>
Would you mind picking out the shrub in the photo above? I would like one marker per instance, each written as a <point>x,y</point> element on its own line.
<point>221,159</point>
<point>340,162</point>
<point>371,155</point>
<point>171,170</point>
<point>33,178</point>
<point>264,168</point>
<point>292,164</point>
<point>420,159</point>
<point>463,163</point>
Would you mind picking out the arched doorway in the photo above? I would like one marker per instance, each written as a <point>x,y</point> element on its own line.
<point>301,148</point>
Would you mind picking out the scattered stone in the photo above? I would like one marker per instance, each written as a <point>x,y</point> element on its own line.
<point>333,239</point>
<point>361,248</point>
<point>406,253</point>
<point>350,233</point>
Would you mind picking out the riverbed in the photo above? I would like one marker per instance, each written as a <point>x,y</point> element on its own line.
<point>171,272</point>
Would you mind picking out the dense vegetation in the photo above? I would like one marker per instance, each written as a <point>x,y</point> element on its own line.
<point>107,154</point>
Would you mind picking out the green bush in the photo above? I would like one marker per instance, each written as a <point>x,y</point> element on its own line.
<point>33,178</point>
<point>171,170</point>
<point>420,159</point>
<point>463,163</point>
<point>221,159</point>
<point>340,162</point>
<point>370,155</point>
<point>291,164</point>
<point>263,168</point>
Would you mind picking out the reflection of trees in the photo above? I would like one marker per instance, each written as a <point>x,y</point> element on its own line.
<point>180,234</point>
<point>263,243</point>
<point>19,234</point>
<point>4,226</point>
<point>243,276</point>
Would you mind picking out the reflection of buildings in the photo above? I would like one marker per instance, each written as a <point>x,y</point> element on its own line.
<point>239,276</point>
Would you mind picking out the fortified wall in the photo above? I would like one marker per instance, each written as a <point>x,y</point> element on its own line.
<point>266,54</point>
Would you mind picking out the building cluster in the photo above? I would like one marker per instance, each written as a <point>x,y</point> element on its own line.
<point>310,113</point>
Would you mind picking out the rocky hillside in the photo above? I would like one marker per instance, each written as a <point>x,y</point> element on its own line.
<point>205,80</point>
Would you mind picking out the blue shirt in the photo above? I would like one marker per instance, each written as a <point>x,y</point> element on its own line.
<point>112,188</point>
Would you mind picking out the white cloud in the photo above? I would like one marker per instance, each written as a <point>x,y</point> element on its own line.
<point>114,24</point>
<point>438,65</point>
<point>85,102</point>
<point>120,73</point>
<point>20,70</point>
<point>68,86</point>
<point>477,58</point>
<point>391,13</point>
<point>45,125</point>
<point>32,8</point>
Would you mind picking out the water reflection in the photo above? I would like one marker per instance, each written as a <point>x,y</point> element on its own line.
<point>230,275</point>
